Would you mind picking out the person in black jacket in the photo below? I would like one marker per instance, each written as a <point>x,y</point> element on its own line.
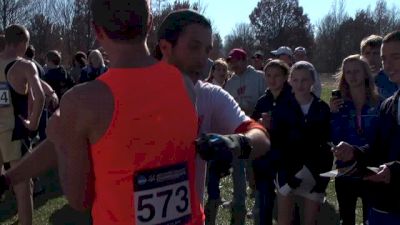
<point>56,76</point>
<point>384,150</point>
<point>271,103</point>
<point>303,131</point>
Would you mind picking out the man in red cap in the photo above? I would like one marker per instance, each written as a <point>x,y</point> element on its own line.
<point>246,85</point>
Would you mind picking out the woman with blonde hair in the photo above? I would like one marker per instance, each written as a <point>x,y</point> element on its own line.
<point>218,73</point>
<point>95,67</point>
<point>354,116</point>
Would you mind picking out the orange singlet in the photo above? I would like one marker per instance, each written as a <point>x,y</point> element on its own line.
<point>144,165</point>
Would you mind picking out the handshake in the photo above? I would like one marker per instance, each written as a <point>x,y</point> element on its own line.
<point>219,150</point>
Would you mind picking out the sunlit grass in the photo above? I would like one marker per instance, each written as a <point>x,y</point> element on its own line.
<point>51,208</point>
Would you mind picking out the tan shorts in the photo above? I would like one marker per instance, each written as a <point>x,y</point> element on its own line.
<point>9,150</point>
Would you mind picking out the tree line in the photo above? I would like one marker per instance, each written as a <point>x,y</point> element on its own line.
<point>65,25</point>
<point>275,23</point>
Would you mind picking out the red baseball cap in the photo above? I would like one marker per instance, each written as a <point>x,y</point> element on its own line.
<point>237,53</point>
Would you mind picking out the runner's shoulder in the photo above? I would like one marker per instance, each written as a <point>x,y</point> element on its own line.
<point>88,96</point>
<point>23,65</point>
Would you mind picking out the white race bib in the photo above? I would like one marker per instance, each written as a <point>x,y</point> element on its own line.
<point>162,196</point>
<point>5,98</point>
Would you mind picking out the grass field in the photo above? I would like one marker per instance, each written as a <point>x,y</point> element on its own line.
<point>52,208</point>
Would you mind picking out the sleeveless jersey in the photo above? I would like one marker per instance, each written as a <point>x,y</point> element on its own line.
<point>144,165</point>
<point>6,109</point>
<point>20,106</point>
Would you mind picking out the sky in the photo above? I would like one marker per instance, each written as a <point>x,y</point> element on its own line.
<point>225,14</point>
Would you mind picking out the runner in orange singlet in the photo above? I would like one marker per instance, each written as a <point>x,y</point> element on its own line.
<point>123,147</point>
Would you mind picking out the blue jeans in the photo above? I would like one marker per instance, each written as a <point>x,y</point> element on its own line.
<point>213,185</point>
<point>239,192</point>
<point>211,207</point>
<point>380,218</point>
<point>239,183</point>
<point>264,174</point>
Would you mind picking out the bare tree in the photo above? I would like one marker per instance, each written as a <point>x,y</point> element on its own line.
<point>328,39</point>
<point>14,11</point>
<point>339,35</point>
<point>281,22</point>
<point>242,36</point>
<point>218,47</point>
<point>386,20</point>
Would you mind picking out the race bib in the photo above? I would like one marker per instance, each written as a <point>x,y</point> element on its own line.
<point>5,99</point>
<point>162,196</point>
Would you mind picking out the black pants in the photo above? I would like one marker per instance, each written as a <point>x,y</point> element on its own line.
<point>348,190</point>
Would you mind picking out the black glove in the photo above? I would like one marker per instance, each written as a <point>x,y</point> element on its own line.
<point>294,182</point>
<point>4,185</point>
<point>215,146</point>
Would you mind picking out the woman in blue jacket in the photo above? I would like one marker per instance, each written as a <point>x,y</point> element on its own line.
<point>354,117</point>
<point>304,131</point>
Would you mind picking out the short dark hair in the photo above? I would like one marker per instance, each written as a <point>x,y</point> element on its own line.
<point>373,41</point>
<point>30,52</point>
<point>393,36</point>
<point>80,57</point>
<point>277,63</point>
<point>175,23</point>
<point>122,20</point>
<point>16,34</point>
<point>54,56</point>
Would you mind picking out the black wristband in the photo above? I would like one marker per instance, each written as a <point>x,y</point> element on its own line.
<point>245,146</point>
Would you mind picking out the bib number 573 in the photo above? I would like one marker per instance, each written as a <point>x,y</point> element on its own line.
<point>164,204</point>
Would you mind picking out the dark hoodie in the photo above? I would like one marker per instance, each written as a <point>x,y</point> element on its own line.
<point>59,80</point>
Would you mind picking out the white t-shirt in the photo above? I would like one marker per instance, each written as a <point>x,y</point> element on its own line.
<point>217,110</point>
<point>306,107</point>
<point>218,113</point>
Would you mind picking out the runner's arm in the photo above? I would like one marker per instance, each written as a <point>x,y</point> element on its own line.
<point>258,136</point>
<point>38,94</point>
<point>68,130</point>
<point>34,84</point>
<point>230,118</point>
<point>33,164</point>
<point>51,96</point>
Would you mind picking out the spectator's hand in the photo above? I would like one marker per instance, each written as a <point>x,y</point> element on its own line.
<point>343,152</point>
<point>216,147</point>
<point>335,104</point>
<point>383,175</point>
<point>217,150</point>
<point>265,120</point>
<point>294,182</point>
